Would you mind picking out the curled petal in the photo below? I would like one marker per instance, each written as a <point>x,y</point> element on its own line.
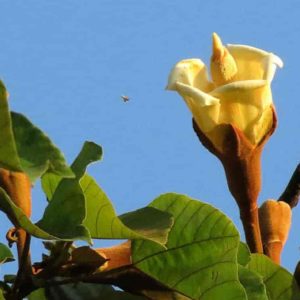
<point>191,72</point>
<point>272,62</point>
<point>254,63</point>
<point>200,98</point>
<point>204,107</point>
<point>252,92</point>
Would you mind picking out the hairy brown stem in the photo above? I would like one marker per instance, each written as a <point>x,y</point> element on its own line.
<point>250,220</point>
<point>241,162</point>
<point>25,271</point>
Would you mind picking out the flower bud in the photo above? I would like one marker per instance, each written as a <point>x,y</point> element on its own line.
<point>275,221</point>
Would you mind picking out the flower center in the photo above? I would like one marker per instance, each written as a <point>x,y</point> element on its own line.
<point>222,65</point>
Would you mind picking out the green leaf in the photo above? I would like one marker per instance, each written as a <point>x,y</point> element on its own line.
<point>86,291</point>
<point>9,158</point>
<point>5,254</point>
<point>244,255</point>
<point>66,211</point>
<point>38,294</point>
<point>201,256</point>
<point>90,152</point>
<point>2,296</point>
<point>17,216</point>
<point>102,221</point>
<point>253,284</point>
<point>150,223</point>
<point>36,151</point>
<point>280,284</point>
<point>50,183</point>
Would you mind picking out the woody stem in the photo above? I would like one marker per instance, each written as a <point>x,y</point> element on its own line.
<point>250,220</point>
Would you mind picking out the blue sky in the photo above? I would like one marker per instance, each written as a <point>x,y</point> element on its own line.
<point>66,64</point>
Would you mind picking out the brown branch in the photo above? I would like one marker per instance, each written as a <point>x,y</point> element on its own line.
<point>23,279</point>
<point>291,193</point>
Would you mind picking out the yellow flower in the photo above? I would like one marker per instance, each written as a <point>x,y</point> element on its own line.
<point>238,94</point>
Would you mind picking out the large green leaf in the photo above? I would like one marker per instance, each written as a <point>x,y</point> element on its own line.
<point>66,211</point>
<point>280,284</point>
<point>102,221</point>
<point>36,151</point>
<point>201,256</point>
<point>5,254</point>
<point>9,158</point>
<point>253,284</point>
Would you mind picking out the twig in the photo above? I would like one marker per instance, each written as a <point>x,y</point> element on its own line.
<point>24,272</point>
<point>291,193</point>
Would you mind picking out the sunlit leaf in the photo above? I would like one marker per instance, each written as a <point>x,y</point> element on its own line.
<point>280,284</point>
<point>201,256</point>
<point>253,284</point>
<point>244,255</point>
<point>5,254</point>
<point>9,158</point>
<point>36,151</point>
<point>102,221</point>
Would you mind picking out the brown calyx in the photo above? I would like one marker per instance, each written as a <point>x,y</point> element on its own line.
<point>242,164</point>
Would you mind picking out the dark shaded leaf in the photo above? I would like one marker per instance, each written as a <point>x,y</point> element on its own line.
<point>5,254</point>
<point>86,291</point>
<point>19,218</point>
<point>36,151</point>
<point>9,158</point>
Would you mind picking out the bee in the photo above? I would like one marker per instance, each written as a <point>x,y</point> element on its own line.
<point>125,98</point>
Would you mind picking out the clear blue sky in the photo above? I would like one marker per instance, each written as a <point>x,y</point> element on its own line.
<point>66,63</point>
